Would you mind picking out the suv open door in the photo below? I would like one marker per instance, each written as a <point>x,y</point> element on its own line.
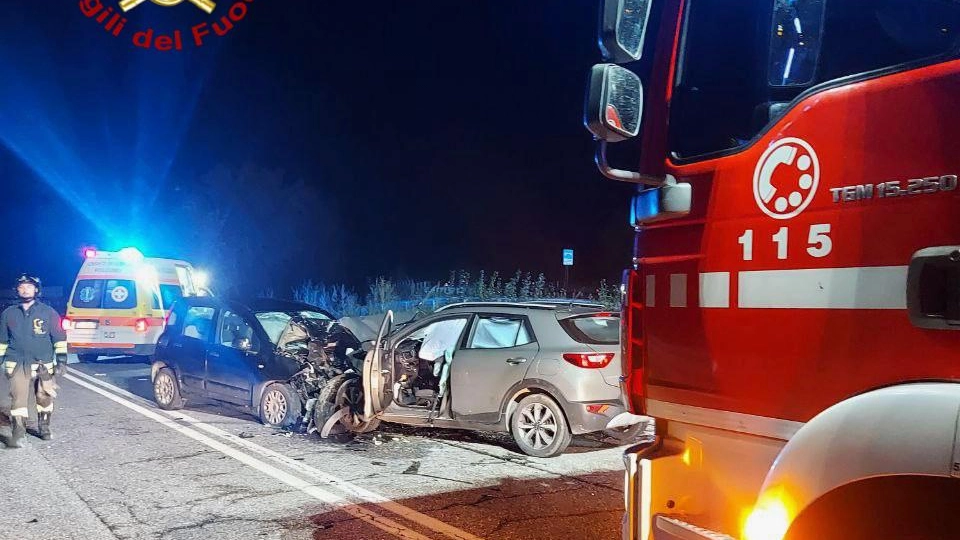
<point>377,378</point>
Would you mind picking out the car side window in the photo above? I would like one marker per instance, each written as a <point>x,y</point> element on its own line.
<point>198,323</point>
<point>235,331</point>
<point>499,332</point>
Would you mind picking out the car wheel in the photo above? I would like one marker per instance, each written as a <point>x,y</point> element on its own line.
<point>343,391</point>
<point>280,406</point>
<point>166,390</point>
<point>87,358</point>
<point>539,427</point>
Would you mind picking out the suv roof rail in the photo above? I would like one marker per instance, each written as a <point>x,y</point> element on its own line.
<point>535,304</point>
<point>574,303</point>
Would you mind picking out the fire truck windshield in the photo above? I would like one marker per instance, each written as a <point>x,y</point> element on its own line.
<point>740,64</point>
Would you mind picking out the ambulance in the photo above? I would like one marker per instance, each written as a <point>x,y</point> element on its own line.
<point>120,300</point>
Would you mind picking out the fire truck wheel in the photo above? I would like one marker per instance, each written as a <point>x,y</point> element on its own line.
<point>539,427</point>
<point>903,507</point>
<point>166,390</point>
<point>87,358</point>
<point>280,406</point>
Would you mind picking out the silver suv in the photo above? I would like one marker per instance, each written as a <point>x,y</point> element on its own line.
<point>541,371</point>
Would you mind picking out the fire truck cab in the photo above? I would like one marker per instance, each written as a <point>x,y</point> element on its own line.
<point>790,318</point>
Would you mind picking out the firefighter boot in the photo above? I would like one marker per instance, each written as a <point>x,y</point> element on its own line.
<point>43,425</point>
<point>19,429</point>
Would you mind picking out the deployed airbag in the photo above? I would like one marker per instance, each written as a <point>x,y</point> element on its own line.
<point>443,337</point>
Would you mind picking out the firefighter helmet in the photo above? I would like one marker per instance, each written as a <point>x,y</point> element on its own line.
<point>27,278</point>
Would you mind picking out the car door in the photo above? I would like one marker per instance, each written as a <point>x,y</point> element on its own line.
<point>377,378</point>
<point>190,347</point>
<point>497,353</point>
<point>233,359</point>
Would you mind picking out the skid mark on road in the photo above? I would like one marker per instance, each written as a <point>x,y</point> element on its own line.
<point>167,418</point>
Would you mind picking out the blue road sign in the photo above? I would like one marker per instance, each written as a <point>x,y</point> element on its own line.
<point>568,257</point>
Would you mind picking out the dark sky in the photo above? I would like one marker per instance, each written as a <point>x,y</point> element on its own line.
<point>414,138</point>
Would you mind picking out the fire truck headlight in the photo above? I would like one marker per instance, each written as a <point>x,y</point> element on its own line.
<point>769,520</point>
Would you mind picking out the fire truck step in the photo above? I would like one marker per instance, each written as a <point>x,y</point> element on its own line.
<point>670,528</point>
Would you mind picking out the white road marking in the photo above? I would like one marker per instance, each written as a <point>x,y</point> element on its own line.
<point>372,518</point>
<point>363,494</point>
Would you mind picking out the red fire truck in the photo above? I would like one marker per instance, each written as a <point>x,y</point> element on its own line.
<point>791,316</point>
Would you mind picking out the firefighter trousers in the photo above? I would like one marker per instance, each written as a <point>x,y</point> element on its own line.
<point>22,377</point>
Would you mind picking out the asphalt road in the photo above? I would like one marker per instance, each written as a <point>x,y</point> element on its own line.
<point>119,467</point>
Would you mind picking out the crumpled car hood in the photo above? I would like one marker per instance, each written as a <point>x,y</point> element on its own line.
<point>365,328</point>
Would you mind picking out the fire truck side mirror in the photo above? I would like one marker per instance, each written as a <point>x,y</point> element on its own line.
<point>623,27</point>
<point>614,103</point>
<point>612,113</point>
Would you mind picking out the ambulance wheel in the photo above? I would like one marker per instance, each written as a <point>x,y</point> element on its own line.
<point>166,390</point>
<point>280,407</point>
<point>87,358</point>
<point>539,427</point>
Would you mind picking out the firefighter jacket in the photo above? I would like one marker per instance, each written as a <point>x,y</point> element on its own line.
<point>31,336</point>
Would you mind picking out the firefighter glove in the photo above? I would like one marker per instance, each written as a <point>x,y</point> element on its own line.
<point>61,368</point>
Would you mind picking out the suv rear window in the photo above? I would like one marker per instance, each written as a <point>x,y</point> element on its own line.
<point>593,329</point>
<point>105,294</point>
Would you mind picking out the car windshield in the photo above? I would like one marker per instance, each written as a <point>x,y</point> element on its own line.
<point>275,322</point>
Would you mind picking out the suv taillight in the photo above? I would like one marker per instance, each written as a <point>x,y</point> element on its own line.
<point>141,325</point>
<point>589,360</point>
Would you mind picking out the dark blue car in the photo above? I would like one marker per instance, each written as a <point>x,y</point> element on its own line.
<point>268,356</point>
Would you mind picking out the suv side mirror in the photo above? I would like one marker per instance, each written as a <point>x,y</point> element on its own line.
<point>623,27</point>
<point>614,103</point>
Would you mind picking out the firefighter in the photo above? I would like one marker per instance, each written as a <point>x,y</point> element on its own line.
<point>33,347</point>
